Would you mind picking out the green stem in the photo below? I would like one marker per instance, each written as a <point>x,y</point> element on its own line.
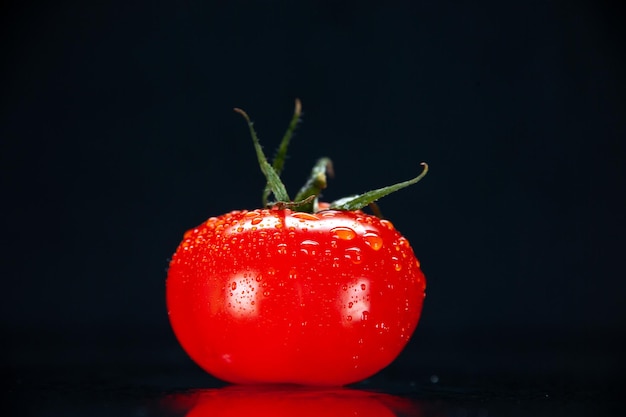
<point>315,184</point>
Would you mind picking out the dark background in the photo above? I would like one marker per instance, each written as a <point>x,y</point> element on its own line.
<point>117,135</point>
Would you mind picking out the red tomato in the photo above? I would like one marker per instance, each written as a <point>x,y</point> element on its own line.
<point>275,296</point>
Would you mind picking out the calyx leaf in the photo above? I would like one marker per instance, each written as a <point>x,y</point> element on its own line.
<point>274,183</point>
<point>307,198</point>
<point>281,154</point>
<point>357,202</point>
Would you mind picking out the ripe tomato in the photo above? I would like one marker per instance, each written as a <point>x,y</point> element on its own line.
<point>279,296</point>
<point>299,292</point>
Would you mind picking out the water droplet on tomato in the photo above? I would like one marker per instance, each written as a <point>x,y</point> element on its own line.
<point>309,246</point>
<point>349,318</point>
<point>354,254</point>
<point>365,315</point>
<point>258,278</point>
<point>282,248</point>
<point>350,304</point>
<point>373,240</point>
<point>305,216</point>
<point>343,233</point>
<point>293,274</point>
<point>345,288</point>
<point>335,262</point>
<point>396,264</point>
<point>363,287</point>
<point>233,286</point>
<point>387,224</point>
<point>266,293</point>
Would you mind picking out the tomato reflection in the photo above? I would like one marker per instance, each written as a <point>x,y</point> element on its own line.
<point>282,401</point>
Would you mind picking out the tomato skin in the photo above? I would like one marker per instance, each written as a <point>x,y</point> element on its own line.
<point>275,296</point>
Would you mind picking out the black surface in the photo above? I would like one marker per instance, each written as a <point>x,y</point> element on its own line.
<point>117,134</point>
<point>505,375</point>
<point>162,391</point>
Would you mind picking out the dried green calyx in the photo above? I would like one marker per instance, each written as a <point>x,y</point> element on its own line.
<point>307,198</point>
